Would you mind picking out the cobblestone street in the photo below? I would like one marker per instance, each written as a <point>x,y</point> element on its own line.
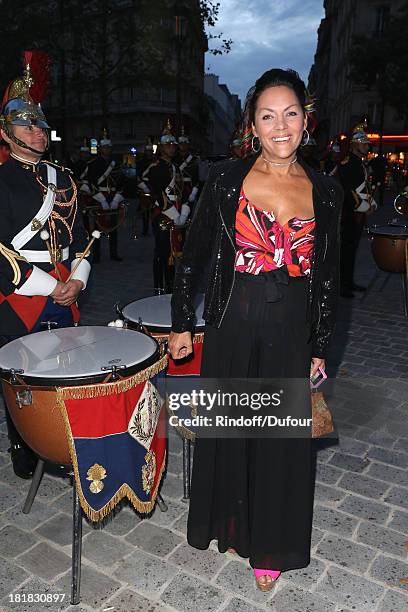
<point>360,537</point>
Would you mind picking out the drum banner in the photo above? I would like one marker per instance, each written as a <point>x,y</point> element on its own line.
<point>117,439</point>
<point>190,366</point>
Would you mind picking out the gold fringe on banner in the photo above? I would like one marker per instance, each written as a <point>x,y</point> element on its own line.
<point>119,386</point>
<point>144,507</point>
<point>183,431</point>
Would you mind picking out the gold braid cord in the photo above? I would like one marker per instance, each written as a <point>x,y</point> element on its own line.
<point>12,258</point>
<point>61,202</point>
<point>66,393</point>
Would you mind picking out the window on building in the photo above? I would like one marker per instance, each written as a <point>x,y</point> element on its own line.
<point>382,19</point>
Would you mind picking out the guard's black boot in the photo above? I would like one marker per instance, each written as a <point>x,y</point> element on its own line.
<point>96,252</point>
<point>24,461</point>
<point>113,246</point>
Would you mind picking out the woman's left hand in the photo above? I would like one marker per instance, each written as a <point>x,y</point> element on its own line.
<point>316,364</point>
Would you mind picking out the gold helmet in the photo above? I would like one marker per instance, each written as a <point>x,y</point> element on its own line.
<point>167,136</point>
<point>21,100</point>
<point>183,138</point>
<point>359,133</point>
<point>105,141</point>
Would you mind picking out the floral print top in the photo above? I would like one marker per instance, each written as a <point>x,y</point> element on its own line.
<point>264,245</point>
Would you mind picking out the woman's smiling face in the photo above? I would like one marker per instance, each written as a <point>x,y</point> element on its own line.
<point>279,122</point>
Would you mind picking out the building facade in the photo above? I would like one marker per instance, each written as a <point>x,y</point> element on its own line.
<point>340,102</point>
<point>119,66</point>
<point>224,114</point>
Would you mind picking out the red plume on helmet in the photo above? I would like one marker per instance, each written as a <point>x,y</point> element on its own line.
<point>39,63</point>
<point>39,69</point>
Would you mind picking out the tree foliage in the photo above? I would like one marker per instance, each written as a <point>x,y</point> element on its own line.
<point>381,63</point>
<point>103,45</point>
<point>99,48</point>
<point>209,10</point>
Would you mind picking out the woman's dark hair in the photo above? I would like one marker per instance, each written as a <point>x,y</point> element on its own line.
<point>271,78</point>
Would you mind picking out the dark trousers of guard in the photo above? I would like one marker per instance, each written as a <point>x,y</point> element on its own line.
<point>351,231</point>
<point>163,273</point>
<point>113,246</point>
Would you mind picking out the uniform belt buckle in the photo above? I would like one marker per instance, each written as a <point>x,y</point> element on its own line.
<point>58,255</point>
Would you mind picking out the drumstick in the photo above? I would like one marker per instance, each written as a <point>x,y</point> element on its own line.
<point>95,236</point>
<point>46,237</point>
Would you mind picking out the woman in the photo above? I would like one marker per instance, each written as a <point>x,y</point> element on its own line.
<point>268,226</point>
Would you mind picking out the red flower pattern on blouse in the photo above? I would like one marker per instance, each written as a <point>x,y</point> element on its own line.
<point>263,244</point>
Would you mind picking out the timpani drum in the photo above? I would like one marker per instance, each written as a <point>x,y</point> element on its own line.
<point>153,315</point>
<point>389,246</point>
<point>32,367</point>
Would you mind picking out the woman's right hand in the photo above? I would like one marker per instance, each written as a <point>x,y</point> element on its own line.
<point>180,345</point>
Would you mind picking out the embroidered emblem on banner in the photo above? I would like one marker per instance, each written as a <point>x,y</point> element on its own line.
<point>36,225</point>
<point>149,471</point>
<point>143,422</point>
<point>96,474</point>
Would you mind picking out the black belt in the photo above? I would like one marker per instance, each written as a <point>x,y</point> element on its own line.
<point>272,280</point>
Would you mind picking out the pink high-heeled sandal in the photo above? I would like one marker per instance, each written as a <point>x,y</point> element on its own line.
<point>265,574</point>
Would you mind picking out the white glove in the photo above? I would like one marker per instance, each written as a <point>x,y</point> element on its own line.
<point>118,198</point>
<point>99,197</point>
<point>84,188</point>
<point>182,218</point>
<point>193,195</point>
<point>142,185</point>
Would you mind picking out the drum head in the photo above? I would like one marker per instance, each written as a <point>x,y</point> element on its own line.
<point>396,231</point>
<point>75,355</point>
<point>155,312</point>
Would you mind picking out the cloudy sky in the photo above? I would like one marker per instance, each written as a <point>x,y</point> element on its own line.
<point>265,34</point>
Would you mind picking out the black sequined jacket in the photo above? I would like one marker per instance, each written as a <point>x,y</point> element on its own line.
<point>211,239</point>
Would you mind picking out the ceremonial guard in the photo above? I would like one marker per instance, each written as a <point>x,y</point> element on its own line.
<point>169,214</point>
<point>80,169</point>
<point>43,267</point>
<point>106,181</point>
<point>309,153</point>
<point>330,164</point>
<point>353,174</point>
<point>236,148</point>
<point>188,165</point>
<point>144,195</point>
